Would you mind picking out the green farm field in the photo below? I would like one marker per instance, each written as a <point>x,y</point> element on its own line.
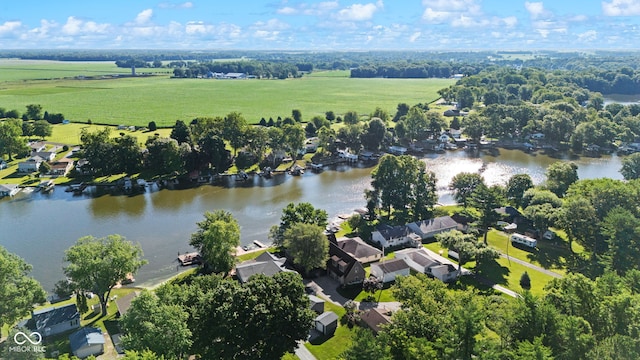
<point>136,101</point>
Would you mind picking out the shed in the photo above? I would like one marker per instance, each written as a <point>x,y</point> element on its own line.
<point>316,304</point>
<point>326,323</point>
<point>86,342</point>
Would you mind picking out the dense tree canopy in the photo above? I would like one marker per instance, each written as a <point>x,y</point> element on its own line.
<point>19,291</point>
<point>308,246</point>
<point>99,264</point>
<point>216,239</point>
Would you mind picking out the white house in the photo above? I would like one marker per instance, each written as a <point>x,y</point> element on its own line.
<point>86,342</point>
<point>387,271</point>
<point>8,190</point>
<point>32,164</point>
<point>387,236</point>
<point>55,320</point>
<point>419,260</point>
<point>429,228</point>
<point>397,150</point>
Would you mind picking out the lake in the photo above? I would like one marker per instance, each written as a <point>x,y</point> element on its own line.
<point>40,227</point>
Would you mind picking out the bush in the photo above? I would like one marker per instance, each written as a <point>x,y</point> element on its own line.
<point>152,126</point>
<point>525,281</point>
<point>65,148</point>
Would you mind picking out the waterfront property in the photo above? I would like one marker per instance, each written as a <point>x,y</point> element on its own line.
<point>429,228</point>
<point>357,248</point>
<point>30,165</point>
<point>387,271</point>
<point>124,303</point>
<point>388,236</point>
<point>8,190</point>
<point>266,263</point>
<point>86,342</point>
<point>54,320</point>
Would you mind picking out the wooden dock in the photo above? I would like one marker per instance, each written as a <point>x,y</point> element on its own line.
<point>187,259</point>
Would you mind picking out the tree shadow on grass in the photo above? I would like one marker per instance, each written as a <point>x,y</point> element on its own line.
<point>550,255</point>
<point>491,273</point>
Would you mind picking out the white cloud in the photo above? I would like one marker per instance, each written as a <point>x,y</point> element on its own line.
<point>9,26</point>
<point>588,36</point>
<point>144,16</point>
<point>75,26</point>
<point>415,36</point>
<point>535,9</point>
<point>287,11</point>
<point>271,25</point>
<point>168,5</point>
<point>359,12</point>
<point>318,9</point>
<point>621,8</point>
<point>510,21</point>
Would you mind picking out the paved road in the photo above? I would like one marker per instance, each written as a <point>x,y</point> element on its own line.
<point>303,353</point>
<point>531,266</point>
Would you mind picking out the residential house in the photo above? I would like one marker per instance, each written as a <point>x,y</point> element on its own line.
<point>326,323</point>
<point>61,167</point>
<point>55,320</point>
<point>8,190</point>
<point>429,228</point>
<point>46,155</point>
<point>375,319</point>
<point>37,146</point>
<point>83,167</point>
<point>124,303</point>
<point>387,236</point>
<point>235,76</point>
<point>86,342</point>
<point>387,271</point>
<point>266,264</point>
<point>420,261</point>
<point>32,164</point>
<point>343,267</point>
<point>316,304</point>
<point>463,221</point>
<point>509,214</point>
<point>397,150</point>
<point>359,249</point>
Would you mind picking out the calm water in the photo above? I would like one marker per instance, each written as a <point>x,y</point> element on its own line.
<point>39,227</point>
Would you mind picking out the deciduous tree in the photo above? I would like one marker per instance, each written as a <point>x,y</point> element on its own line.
<point>153,325</point>
<point>99,264</point>
<point>42,128</point>
<point>216,239</point>
<point>631,167</point>
<point>463,185</point>
<point>11,140</point>
<point>307,245</point>
<point>18,291</point>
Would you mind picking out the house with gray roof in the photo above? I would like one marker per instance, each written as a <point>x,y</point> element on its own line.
<point>420,261</point>
<point>392,236</point>
<point>32,164</point>
<point>387,271</point>
<point>86,342</point>
<point>343,266</point>
<point>54,320</point>
<point>8,190</point>
<point>429,228</point>
<point>266,264</point>
<point>359,249</point>
<point>375,319</point>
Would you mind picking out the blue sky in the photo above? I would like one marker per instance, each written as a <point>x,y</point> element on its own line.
<point>321,25</point>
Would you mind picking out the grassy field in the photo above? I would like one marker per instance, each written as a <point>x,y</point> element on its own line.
<point>136,101</point>
<point>331,347</point>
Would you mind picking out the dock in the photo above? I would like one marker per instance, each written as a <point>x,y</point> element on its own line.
<point>187,259</point>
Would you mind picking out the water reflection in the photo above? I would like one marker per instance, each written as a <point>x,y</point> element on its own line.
<point>39,227</point>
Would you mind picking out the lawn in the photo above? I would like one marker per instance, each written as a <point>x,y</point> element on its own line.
<point>548,255</point>
<point>332,347</point>
<point>502,272</point>
<point>136,101</point>
<point>106,323</point>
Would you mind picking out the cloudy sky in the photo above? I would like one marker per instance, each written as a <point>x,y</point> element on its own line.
<point>320,25</point>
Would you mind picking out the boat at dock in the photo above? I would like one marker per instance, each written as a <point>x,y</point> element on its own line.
<point>193,258</point>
